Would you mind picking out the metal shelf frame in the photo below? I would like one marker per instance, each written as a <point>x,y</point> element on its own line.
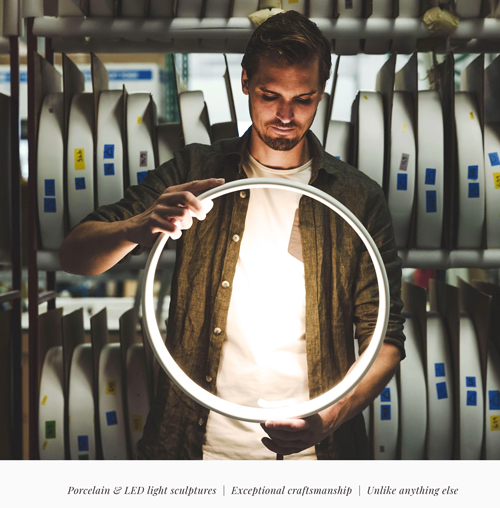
<point>77,34</point>
<point>14,296</point>
<point>35,297</point>
<point>73,34</point>
<point>242,28</point>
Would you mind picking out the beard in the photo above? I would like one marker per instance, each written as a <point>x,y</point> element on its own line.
<point>279,143</point>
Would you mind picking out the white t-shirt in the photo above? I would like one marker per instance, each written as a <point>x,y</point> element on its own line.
<point>264,356</point>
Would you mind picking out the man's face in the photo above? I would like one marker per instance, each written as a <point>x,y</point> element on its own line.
<point>283,101</point>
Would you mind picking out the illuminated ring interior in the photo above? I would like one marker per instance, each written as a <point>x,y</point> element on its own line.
<point>303,409</point>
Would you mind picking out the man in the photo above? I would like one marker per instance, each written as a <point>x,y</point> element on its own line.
<point>268,284</point>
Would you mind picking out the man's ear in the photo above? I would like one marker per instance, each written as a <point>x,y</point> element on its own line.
<point>244,81</point>
<point>323,92</point>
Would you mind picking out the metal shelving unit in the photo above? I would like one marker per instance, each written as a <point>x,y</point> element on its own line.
<point>136,35</point>
<point>10,44</point>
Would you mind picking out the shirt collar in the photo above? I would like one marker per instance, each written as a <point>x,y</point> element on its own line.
<point>235,148</point>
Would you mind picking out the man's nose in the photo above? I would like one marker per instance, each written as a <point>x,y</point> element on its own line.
<point>285,111</point>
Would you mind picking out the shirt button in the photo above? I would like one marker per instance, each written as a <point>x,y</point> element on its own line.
<point>217,331</point>
<point>225,284</point>
<point>209,379</point>
<point>201,422</point>
<point>236,238</point>
<point>243,194</point>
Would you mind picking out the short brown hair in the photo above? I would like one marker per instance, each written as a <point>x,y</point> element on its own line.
<point>291,38</point>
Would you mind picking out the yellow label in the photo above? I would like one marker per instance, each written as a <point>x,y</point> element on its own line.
<point>44,400</point>
<point>496,180</point>
<point>293,1</point>
<point>139,119</point>
<point>111,387</point>
<point>365,97</point>
<point>44,446</point>
<point>79,158</point>
<point>471,114</point>
<point>136,423</point>
<point>495,422</point>
<point>405,127</point>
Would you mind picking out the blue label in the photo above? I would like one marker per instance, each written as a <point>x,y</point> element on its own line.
<point>109,151</point>
<point>140,176</point>
<point>494,397</point>
<point>385,395</point>
<point>473,172</point>
<point>5,77</point>
<point>109,169</point>
<point>442,391</point>
<point>130,75</point>
<point>111,418</point>
<point>430,176</point>
<point>470,381</point>
<point>473,190</point>
<point>494,159</point>
<point>385,412</point>
<point>80,183</point>
<point>49,205</point>
<point>83,443</point>
<point>50,187</point>
<point>471,398</point>
<point>431,201</point>
<point>402,181</point>
<point>440,370</point>
<point>123,75</point>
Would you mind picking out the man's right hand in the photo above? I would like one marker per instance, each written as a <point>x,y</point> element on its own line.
<point>93,247</point>
<point>172,212</point>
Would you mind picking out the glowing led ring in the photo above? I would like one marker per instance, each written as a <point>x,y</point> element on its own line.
<point>303,409</point>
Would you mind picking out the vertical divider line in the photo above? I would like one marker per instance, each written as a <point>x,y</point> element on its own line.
<point>16,257</point>
<point>32,250</point>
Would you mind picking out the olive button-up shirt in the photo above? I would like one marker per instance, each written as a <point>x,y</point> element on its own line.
<point>341,288</point>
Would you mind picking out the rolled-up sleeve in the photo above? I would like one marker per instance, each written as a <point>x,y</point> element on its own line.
<point>378,222</point>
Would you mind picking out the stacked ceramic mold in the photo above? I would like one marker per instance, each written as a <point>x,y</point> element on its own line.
<point>444,402</point>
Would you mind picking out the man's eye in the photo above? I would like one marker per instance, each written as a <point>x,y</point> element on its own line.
<point>304,101</point>
<point>269,97</point>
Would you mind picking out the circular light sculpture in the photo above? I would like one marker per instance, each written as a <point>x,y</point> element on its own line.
<point>304,409</point>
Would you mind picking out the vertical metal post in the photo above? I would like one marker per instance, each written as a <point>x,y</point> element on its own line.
<point>32,249</point>
<point>16,257</point>
<point>171,109</point>
<point>49,51</point>
<point>50,276</point>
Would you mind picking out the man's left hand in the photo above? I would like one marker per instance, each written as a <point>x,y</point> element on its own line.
<point>297,434</point>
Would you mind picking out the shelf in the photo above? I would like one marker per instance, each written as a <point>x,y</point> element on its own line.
<point>115,307</point>
<point>441,259</point>
<point>46,296</point>
<point>98,45</point>
<point>218,35</point>
<point>437,259</point>
<point>242,28</point>
<point>9,296</point>
<point>49,261</point>
<point>4,45</point>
